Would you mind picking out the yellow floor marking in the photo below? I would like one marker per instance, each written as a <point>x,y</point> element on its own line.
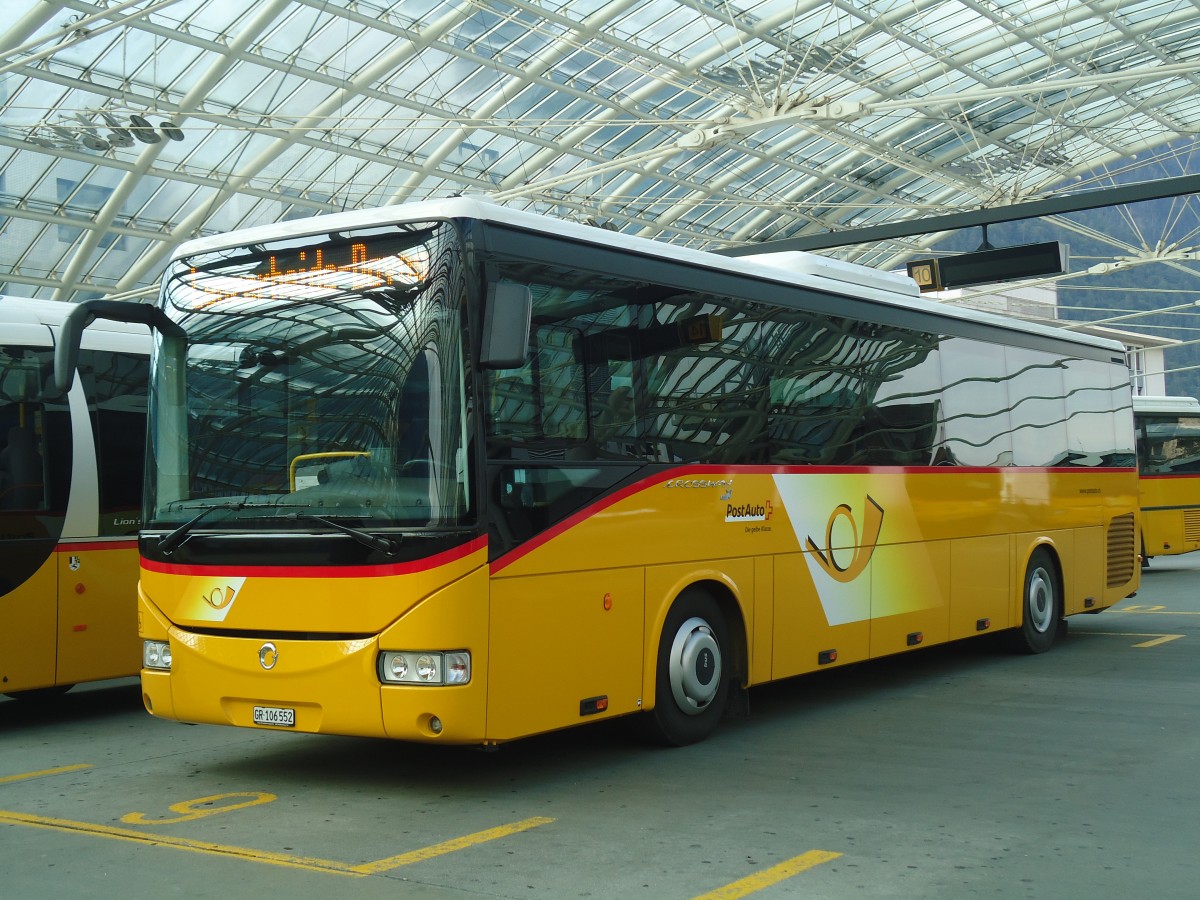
<point>773,875</point>
<point>479,837</point>
<point>1155,611</point>
<point>190,810</point>
<point>59,771</point>
<point>309,863</point>
<point>1159,637</point>
<point>123,834</point>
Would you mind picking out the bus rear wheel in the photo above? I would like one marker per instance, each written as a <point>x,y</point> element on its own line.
<point>1041,604</point>
<point>692,677</point>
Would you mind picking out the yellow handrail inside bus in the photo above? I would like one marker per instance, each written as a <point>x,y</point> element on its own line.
<point>332,454</point>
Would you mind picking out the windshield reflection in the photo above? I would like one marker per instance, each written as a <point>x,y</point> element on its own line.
<point>318,383</point>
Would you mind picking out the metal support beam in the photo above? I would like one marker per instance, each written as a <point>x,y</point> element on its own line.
<point>1034,209</point>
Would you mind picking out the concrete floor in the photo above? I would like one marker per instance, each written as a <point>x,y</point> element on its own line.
<point>953,772</point>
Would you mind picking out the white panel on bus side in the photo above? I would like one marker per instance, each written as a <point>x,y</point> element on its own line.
<point>83,503</point>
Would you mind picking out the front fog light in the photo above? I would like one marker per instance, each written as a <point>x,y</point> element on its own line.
<point>156,655</point>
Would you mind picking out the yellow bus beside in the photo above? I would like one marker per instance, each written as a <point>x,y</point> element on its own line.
<point>70,502</point>
<point>1168,447</point>
<point>451,472</point>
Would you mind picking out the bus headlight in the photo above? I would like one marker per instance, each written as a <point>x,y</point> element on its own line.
<point>457,667</point>
<point>428,669</point>
<point>156,655</point>
<point>425,667</point>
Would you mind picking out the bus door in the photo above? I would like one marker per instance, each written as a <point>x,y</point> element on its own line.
<point>33,435</point>
<point>97,561</point>
<point>566,604</point>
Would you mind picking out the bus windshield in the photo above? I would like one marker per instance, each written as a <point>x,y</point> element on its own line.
<point>1169,444</point>
<point>317,380</point>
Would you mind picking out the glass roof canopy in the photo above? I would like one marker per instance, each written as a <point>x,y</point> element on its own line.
<point>128,127</point>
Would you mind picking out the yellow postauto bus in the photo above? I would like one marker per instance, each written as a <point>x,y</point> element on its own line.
<point>70,502</point>
<point>451,472</point>
<point>1168,447</point>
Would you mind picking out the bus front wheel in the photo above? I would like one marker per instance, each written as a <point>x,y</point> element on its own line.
<point>692,678</point>
<point>1041,604</point>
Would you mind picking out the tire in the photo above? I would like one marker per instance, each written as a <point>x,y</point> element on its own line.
<point>692,674</point>
<point>1041,604</point>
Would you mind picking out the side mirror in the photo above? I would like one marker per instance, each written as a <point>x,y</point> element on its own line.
<point>506,319</point>
<point>66,350</point>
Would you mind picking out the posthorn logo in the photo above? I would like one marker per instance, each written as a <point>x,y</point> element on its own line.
<point>219,598</point>
<point>860,546</point>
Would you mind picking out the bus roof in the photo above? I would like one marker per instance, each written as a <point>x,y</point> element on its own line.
<point>30,311</point>
<point>1167,405</point>
<point>806,270</point>
<point>34,311</point>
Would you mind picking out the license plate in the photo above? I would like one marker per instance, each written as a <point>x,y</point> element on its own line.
<point>275,715</point>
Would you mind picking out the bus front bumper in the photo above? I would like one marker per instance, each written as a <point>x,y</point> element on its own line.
<point>324,686</point>
<point>318,687</point>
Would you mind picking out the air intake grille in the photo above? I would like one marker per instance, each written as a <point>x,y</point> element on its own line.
<point>1122,554</point>
<point>1191,525</point>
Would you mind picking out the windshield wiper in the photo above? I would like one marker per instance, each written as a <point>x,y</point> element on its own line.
<point>371,541</point>
<point>169,542</point>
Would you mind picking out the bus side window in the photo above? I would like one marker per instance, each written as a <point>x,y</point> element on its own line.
<point>618,416</point>
<point>511,409</point>
<point>413,441</point>
<point>115,387</point>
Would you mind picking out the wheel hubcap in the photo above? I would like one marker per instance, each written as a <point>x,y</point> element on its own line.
<point>1041,601</point>
<point>695,669</point>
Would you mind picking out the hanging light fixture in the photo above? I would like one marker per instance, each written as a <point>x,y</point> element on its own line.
<point>119,136</point>
<point>93,141</point>
<point>143,130</point>
<point>81,131</point>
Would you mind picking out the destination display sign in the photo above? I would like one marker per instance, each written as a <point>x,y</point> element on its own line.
<point>312,271</point>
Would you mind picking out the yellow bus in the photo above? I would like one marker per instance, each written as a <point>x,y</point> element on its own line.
<point>452,472</point>
<point>70,502</point>
<point>1168,447</point>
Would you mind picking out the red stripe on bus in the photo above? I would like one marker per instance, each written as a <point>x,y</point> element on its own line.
<point>84,546</point>
<point>692,472</point>
<point>405,568</point>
